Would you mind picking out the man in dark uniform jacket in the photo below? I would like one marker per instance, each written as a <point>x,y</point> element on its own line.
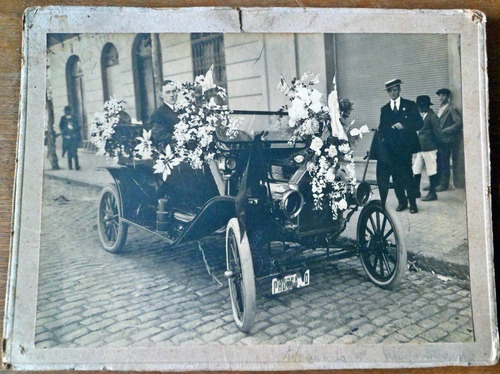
<point>399,123</point>
<point>164,118</point>
<point>63,124</point>
<point>70,130</point>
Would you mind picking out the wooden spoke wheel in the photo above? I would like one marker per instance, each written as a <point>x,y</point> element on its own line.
<point>382,245</point>
<point>112,230</point>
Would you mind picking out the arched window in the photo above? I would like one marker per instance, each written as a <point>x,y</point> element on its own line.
<point>110,70</point>
<point>74,85</point>
<point>207,50</point>
<point>142,62</point>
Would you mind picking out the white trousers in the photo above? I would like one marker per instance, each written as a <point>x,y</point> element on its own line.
<point>427,159</point>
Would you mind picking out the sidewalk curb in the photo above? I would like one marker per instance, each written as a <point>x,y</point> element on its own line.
<point>437,266</point>
<point>421,262</point>
<point>95,186</point>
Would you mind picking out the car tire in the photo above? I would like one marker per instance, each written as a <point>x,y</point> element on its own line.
<point>240,275</point>
<point>112,229</point>
<point>381,245</point>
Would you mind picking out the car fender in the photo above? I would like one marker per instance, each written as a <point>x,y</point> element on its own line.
<point>215,214</point>
<point>135,186</point>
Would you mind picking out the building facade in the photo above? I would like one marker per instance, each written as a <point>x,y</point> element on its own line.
<point>84,70</point>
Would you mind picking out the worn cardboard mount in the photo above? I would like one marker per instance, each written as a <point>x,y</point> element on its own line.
<point>19,351</point>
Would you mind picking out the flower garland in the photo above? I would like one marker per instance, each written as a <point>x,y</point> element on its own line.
<point>328,153</point>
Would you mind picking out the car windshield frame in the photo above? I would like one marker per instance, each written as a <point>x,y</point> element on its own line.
<point>280,141</point>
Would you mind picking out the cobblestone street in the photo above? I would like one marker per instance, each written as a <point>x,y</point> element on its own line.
<point>153,296</point>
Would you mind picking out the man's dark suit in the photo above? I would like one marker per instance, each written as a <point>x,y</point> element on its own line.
<point>162,123</point>
<point>398,146</point>
<point>450,145</point>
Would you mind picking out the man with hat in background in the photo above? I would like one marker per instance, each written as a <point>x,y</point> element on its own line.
<point>450,139</point>
<point>399,122</point>
<point>428,148</point>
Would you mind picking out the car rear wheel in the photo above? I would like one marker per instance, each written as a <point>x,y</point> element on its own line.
<point>240,275</point>
<point>382,245</point>
<point>112,230</point>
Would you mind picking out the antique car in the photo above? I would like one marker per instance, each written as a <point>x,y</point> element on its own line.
<point>261,198</point>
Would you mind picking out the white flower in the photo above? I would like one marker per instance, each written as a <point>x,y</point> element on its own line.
<point>364,129</point>
<point>332,151</point>
<point>342,204</point>
<point>316,145</point>
<point>315,101</point>
<point>305,76</point>
<point>299,159</point>
<point>311,167</point>
<point>297,111</point>
<point>165,163</point>
<point>303,94</point>
<point>144,148</point>
<point>330,175</point>
<point>344,148</point>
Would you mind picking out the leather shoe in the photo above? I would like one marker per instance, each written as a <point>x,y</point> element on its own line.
<point>441,188</point>
<point>413,209</point>
<point>431,196</point>
<point>401,207</point>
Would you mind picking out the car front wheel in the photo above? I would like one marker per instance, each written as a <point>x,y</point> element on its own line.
<point>240,275</point>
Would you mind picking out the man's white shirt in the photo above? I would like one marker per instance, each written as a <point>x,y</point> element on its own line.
<point>442,109</point>
<point>170,106</point>
<point>396,102</point>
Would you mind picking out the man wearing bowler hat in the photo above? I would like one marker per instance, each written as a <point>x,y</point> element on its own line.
<point>450,141</point>
<point>427,156</point>
<point>399,123</point>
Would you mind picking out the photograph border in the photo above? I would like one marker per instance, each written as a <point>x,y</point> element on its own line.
<point>19,324</point>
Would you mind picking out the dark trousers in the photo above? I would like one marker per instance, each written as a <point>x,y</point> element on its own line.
<point>402,178</point>
<point>73,155</point>
<point>451,152</point>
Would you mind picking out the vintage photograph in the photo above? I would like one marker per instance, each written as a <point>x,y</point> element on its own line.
<point>218,188</point>
<point>245,194</point>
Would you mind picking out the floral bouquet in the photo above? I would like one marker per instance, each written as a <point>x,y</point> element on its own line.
<point>103,130</point>
<point>328,154</point>
<point>201,112</point>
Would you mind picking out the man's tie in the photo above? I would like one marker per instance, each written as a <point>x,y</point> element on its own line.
<point>395,107</point>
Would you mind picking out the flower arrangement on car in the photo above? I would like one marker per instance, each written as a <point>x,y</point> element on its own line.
<point>328,153</point>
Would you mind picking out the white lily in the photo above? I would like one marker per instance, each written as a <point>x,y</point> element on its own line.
<point>144,148</point>
<point>165,163</point>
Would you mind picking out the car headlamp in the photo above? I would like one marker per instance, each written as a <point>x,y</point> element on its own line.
<point>291,203</point>
<point>362,193</point>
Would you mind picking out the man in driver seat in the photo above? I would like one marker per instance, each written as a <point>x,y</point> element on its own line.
<point>164,118</point>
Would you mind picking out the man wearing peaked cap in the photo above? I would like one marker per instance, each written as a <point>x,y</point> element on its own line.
<point>397,132</point>
<point>450,142</point>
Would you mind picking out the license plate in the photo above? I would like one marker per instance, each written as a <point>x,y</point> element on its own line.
<point>289,282</point>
